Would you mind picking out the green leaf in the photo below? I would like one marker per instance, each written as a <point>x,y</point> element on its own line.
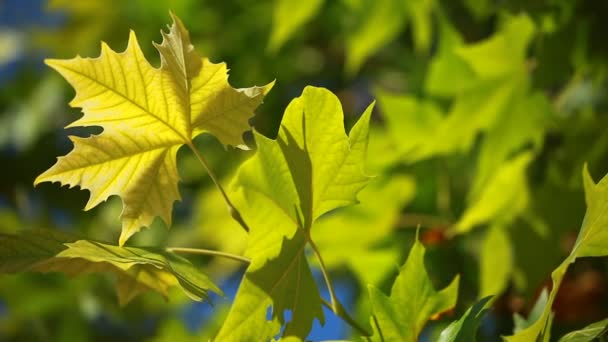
<point>311,168</point>
<point>496,261</point>
<point>537,311</point>
<point>362,228</point>
<point>465,329</point>
<point>588,333</point>
<point>502,54</point>
<point>489,90</point>
<point>591,242</point>
<point>146,115</point>
<point>289,16</point>
<point>378,22</point>
<point>137,269</point>
<point>447,65</point>
<point>412,302</point>
<point>505,195</point>
<point>278,279</point>
<point>523,125</point>
<point>420,13</point>
<point>409,117</point>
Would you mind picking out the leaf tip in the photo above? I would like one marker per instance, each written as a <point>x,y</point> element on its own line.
<point>267,88</point>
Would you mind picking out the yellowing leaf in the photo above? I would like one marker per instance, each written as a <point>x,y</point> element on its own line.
<point>137,269</point>
<point>311,168</point>
<point>146,115</point>
<point>413,301</point>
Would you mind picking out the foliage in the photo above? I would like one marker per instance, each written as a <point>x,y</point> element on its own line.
<point>486,113</point>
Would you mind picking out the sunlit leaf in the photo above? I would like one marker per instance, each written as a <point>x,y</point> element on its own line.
<point>591,242</point>
<point>409,117</point>
<point>496,262</point>
<point>588,333</point>
<point>412,302</point>
<point>505,195</point>
<point>465,329</point>
<point>362,228</point>
<point>146,115</point>
<point>311,168</point>
<point>137,269</point>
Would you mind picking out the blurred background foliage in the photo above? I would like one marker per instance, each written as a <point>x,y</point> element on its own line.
<point>487,111</point>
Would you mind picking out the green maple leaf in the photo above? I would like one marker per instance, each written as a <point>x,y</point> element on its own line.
<point>289,16</point>
<point>465,329</point>
<point>505,195</point>
<point>592,241</point>
<point>146,115</point>
<point>484,94</point>
<point>412,302</point>
<point>137,269</point>
<point>361,229</point>
<point>588,333</point>
<point>311,168</point>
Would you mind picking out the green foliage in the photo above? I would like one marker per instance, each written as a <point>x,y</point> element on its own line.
<point>137,269</point>
<point>591,242</point>
<point>412,302</point>
<point>311,168</point>
<point>587,334</point>
<point>487,112</point>
<point>465,329</point>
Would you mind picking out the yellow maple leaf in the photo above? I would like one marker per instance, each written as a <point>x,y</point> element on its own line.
<point>146,114</point>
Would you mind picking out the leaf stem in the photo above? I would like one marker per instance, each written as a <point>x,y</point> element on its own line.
<point>236,215</point>
<point>347,318</point>
<point>202,251</point>
<point>378,327</point>
<point>330,286</point>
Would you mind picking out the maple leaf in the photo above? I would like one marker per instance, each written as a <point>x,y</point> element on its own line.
<point>363,228</point>
<point>465,329</point>
<point>146,114</point>
<point>137,269</point>
<point>311,168</point>
<point>413,300</point>
<point>592,241</point>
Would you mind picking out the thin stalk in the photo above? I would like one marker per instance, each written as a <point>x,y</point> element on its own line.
<point>202,251</point>
<point>347,318</point>
<point>330,286</point>
<point>236,215</point>
<point>378,328</point>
